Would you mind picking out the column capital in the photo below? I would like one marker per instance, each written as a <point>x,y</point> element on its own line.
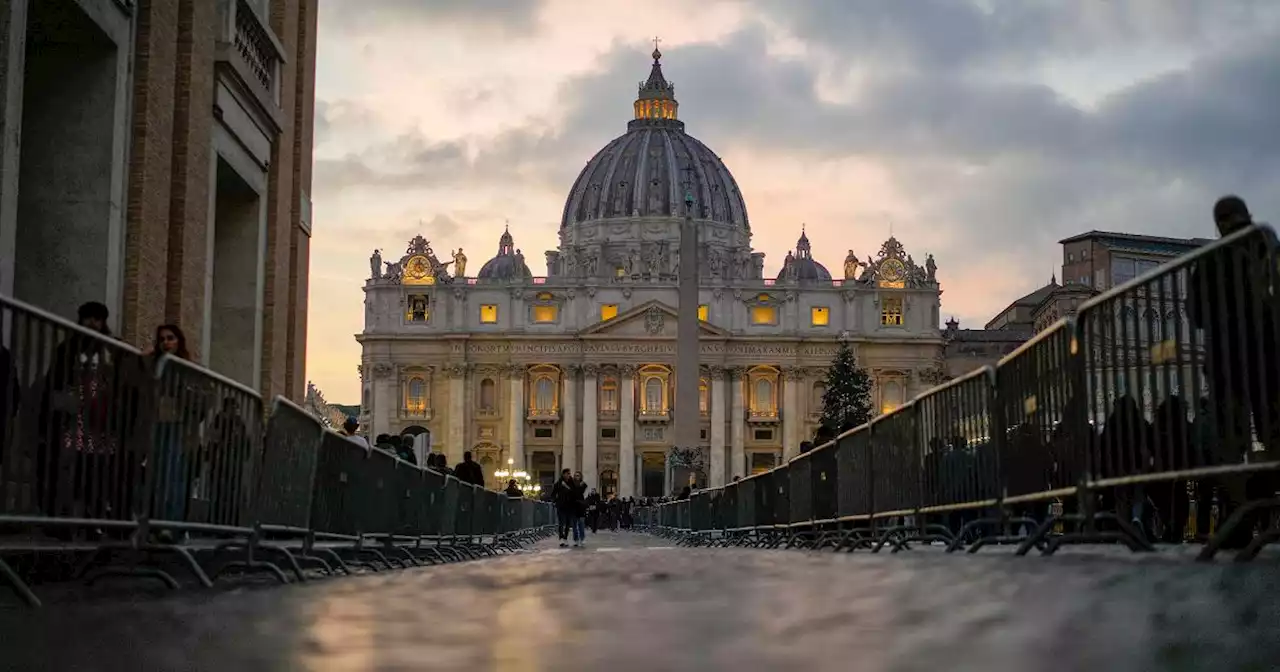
<point>793,372</point>
<point>714,371</point>
<point>513,371</point>
<point>735,372</point>
<point>590,370</point>
<point>456,371</point>
<point>628,370</point>
<point>571,371</point>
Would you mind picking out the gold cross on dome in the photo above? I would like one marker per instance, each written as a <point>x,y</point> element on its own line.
<point>656,40</point>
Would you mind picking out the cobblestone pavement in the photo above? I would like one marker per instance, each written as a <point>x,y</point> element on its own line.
<point>632,602</point>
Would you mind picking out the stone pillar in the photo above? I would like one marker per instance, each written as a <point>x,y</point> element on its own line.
<point>738,426</point>
<point>455,437</point>
<point>590,424</point>
<point>515,442</point>
<point>687,417</point>
<point>716,477</point>
<point>385,398</point>
<point>791,412</point>
<point>569,421</point>
<point>627,432</point>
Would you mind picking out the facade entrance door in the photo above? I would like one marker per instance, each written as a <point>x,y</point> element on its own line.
<point>653,475</point>
<point>608,484</point>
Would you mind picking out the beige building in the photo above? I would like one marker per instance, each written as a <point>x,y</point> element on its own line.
<point>575,367</point>
<point>157,158</point>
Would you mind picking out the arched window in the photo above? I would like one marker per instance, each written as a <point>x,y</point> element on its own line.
<point>819,391</point>
<point>544,395</point>
<point>764,395</point>
<point>416,395</point>
<point>488,394</point>
<point>653,395</point>
<point>890,396</point>
<point>704,397</point>
<point>609,395</point>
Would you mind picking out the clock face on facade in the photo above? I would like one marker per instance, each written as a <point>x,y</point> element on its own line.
<point>417,269</point>
<point>892,270</point>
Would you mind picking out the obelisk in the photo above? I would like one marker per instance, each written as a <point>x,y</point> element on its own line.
<point>687,347</point>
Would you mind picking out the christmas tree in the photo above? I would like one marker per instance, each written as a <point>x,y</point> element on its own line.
<point>846,403</point>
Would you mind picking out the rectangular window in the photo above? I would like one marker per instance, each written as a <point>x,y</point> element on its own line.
<point>544,314</point>
<point>819,316</point>
<point>764,315</point>
<point>702,434</point>
<point>608,432</point>
<point>703,312</point>
<point>763,435</point>
<point>543,433</point>
<point>608,311</point>
<point>488,314</point>
<point>652,433</point>
<point>1122,271</point>
<point>891,311</point>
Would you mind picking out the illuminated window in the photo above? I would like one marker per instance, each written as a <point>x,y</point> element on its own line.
<point>544,395</point>
<point>704,400</point>
<point>488,314</point>
<point>609,395</point>
<point>764,315</point>
<point>763,399</point>
<point>488,394</point>
<point>702,312</point>
<point>608,311</point>
<point>415,397</point>
<point>890,396</point>
<point>891,311</point>
<point>419,309</point>
<point>620,272</point>
<point>653,395</point>
<point>819,316</point>
<point>544,314</point>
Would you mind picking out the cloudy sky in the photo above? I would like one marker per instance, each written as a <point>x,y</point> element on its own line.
<point>981,131</point>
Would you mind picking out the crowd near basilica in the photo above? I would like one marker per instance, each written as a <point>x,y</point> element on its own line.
<point>572,365</point>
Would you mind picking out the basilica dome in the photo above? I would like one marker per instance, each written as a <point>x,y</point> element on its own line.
<point>651,169</point>
<point>507,265</point>
<point>801,266</point>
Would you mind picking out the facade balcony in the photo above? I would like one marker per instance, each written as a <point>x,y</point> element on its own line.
<point>486,413</point>
<point>763,417</point>
<point>423,413</point>
<point>250,51</point>
<point>653,416</point>
<point>543,416</point>
<point>608,414</point>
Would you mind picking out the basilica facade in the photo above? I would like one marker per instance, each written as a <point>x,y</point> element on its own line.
<point>575,367</point>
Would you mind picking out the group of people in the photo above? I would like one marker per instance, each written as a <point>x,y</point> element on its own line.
<point>579,507</point>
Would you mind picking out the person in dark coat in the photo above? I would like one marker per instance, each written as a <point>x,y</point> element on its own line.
<point>593,510</point>
<point>567,497</point>
<point>514,490</point>
<point>470,471</point>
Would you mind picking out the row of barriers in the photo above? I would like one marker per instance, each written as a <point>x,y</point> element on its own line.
<point>140,465</point>
<point>1152,415</point>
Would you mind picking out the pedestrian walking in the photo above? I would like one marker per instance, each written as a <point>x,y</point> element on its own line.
<point>565,495</point>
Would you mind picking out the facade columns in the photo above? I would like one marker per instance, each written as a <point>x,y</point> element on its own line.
<point>627,432</point>
<point>515,441</point>
<point>716,477</point>
<point>590,425</point>
<point>791,419</point>
<point>791,412</point>
<point>738,426</point>
<point>456,436</point>
<point>569,420</point>
<point>385,397</point>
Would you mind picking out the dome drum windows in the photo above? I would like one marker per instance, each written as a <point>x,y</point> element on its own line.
<point>543,390</point>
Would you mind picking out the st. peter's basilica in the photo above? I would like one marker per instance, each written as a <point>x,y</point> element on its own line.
<point>575,368</point>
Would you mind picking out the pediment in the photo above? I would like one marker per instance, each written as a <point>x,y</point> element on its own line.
<point>651,319</point>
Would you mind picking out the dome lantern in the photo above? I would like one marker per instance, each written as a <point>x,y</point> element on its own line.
<point>656,100</point>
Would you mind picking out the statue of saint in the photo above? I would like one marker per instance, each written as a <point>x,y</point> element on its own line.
<point>519,258</point>
<point>375,264</point>
<point>459,264</point>
<point>851,265</point>
<point>931,268</point>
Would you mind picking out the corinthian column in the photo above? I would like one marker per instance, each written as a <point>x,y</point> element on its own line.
<point>590,427</point>
<point>569,420</point>
<point>791,412</point>
<point>737,426</point>
<point>627,432</point>
<point>457,374</point>
<point>516,440</point>
<point>716,477</point>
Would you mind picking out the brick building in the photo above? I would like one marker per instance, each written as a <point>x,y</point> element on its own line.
<point>156,157</point>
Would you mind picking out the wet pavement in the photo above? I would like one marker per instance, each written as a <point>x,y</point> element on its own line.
<point>633,602</point>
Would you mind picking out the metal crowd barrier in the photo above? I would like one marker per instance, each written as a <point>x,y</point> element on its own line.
<point>1152,416</point>
<point>115,457</point>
